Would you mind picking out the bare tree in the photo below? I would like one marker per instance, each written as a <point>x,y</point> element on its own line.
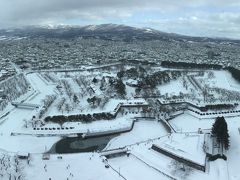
<point>17,169</point>
<point>180,169</point>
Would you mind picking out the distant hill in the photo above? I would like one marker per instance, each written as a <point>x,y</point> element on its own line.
<point>113,32</point>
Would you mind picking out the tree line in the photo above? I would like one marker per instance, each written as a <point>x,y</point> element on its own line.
<point>216,107</point>
<point>234,72</point>
<point>160,77</point>
<point>60,119</point>
<point>133,72</point>
<point>172,64</point>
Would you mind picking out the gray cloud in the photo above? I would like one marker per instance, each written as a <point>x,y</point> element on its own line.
<point>32,10</point>
<point>22,11</point>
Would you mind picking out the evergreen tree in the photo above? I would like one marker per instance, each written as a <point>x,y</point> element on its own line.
<point>94,80</point>
<point>220,130</point>
<point>120,74</point>
<point>120,87</point>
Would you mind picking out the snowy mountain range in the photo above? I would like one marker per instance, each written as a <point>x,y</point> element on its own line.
<point>103,31</point>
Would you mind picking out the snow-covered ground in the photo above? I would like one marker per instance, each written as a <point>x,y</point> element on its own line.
<point>223,79</point>
<point>234,150</point>
<point>72,166</point>
<point>189,123</point>
<point>142,131</point>
<point>38,84</point>
<point>26,144</point>
<point>191,149</point>
<point>143,161</point>
<point>131,168</point>
<point>172,88</point>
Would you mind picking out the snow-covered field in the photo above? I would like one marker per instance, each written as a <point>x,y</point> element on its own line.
<point>168,88</point>
<point>142,131</point>
<point>223,79</point>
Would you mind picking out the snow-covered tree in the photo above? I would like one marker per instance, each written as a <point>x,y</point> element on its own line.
<point>220,130</point>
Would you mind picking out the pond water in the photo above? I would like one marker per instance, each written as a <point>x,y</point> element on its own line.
<point>79,144</point>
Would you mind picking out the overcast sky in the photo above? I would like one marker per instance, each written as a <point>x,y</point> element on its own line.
<point>215,18</point>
